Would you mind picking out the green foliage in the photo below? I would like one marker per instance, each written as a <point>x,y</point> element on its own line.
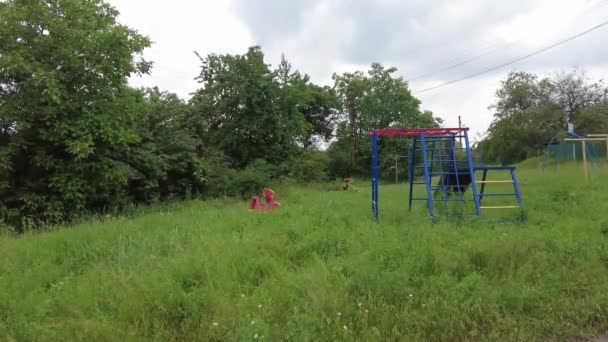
<point>311,166</point>
<point>65,108</point>
<point>529,111</point>
<point>165,159</point>
<point>376,100</point>
<point>594,119</point>
<point>340,153</point>
<point>316,105</point>
<point>220,179</point>
<point>213,271</point>
<point>238,108</point>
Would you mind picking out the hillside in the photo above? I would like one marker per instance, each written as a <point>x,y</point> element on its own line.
<point>318,269</point>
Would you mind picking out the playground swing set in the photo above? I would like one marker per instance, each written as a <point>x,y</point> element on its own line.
<point>448,171</point>
<point>564,145</point>
<point>441,158</point>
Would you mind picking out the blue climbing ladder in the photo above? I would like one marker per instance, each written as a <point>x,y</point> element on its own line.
<point>447,171</point>
<point>441,161</point>
<point>507,195</point>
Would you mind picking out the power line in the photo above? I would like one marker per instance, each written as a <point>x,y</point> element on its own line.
<point>467,61</point>
<point>534,53</point>
<point>497,48</point>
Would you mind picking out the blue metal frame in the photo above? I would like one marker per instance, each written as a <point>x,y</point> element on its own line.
<point>442,154</point>
<point>472,173</point>
<point>439,158</point>
<point>516,192</point>
<point>375,175</point>
<point>427,177</point>
<point>592,155</point>
<point>412,162</point>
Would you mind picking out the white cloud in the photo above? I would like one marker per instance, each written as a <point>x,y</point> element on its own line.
<point>320,37</point>
<point>178,28</point>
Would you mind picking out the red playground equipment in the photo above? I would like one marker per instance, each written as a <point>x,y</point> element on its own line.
<point>271,203</point>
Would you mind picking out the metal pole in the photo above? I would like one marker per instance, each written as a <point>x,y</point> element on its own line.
<point>585,167</point>
<point>396,169</point>
<point>375,175</point>
<point>460,126</point>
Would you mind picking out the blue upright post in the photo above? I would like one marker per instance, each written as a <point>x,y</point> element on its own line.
<point>472,173</point>
<point>427,177</point>
<point>454,168</point>
<point>410,159</point>
<point>516,186</point>
<point>375,175</point>
<point>412,168</point>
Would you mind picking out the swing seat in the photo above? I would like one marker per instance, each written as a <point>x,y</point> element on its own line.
<point>456,180</point>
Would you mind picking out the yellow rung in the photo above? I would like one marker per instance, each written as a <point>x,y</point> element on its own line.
<point>501,207</point>
<point>496,181</point>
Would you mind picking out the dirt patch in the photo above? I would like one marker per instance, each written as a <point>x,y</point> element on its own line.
<point>603,338</point>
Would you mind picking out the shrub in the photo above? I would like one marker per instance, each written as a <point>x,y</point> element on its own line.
<point>311,166</point>
<point>220,179</point>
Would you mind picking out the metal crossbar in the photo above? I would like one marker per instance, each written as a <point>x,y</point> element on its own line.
<point>448,171</point>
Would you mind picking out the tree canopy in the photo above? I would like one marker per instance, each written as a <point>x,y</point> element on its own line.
<point>375,99</point>
<point>529,111</point>
<point>76,139</point>
<point>65,107</point>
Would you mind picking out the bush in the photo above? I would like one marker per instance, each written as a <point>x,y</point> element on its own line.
<point>311,166</point>
<point>252,179</point>
<point>340,164</point>
<point>220,179</point>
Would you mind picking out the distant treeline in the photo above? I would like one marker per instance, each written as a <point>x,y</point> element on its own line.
<point>76,139</point>
<point>530,110</point>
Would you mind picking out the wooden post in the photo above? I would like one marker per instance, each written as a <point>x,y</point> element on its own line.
<point>585,166</point>
<point>600,136</point>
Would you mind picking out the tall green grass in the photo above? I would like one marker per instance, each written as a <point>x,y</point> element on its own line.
<point>320,268</point>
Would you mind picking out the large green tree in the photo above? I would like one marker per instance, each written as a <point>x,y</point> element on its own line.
<point>165,161</point>
<point>239,111</point>
<point>316,104</point>
<point>375,99</point>
<point>65,110</point>
<point>529,111</point>
<point>350,88</point>
<point>575,91</point>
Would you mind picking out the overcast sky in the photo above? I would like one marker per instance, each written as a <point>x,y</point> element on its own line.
<point>419,37</point>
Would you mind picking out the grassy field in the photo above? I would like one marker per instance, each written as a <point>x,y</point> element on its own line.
<point>318,269</point>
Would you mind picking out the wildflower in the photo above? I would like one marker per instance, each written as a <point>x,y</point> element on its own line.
<point>359,304</point>
<point>242,295</point>
<point>366,311</point>
<point>252,322</point>
<point>215,324</point>
<point>345,327</point>
<point>260,306</point>
<point>255,337</point>
<point>411,295</point>
<point>339,314</point>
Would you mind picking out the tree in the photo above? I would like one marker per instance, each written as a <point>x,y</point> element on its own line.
<point>387,102</point>
<point>65,108</point>
<point>574,91</point>
<point>529,111</point>
<point>377,99</point>
<point>317,105</point>
<point>520,91</point>
<point>593,119</point>
<point>165,160</point>
<point>239,111</point>
<point>350,88</point>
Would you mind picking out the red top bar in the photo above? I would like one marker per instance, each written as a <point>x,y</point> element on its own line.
<point>411,132</point>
